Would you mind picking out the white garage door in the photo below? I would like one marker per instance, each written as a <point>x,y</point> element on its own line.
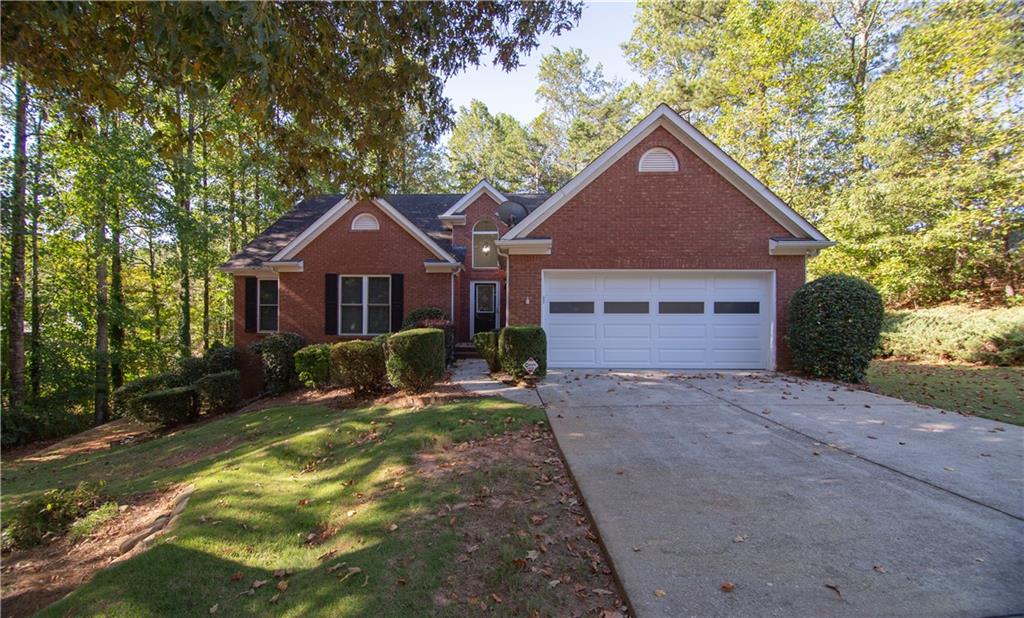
<point>658,319</point>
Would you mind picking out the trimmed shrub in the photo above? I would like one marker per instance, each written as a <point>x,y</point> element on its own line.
<point>955,333</point>
<point>415,358</point>
<point>416,316</point>
<point>219,393</point>
<point>448,327</point>
<point>222,358</point>
<point>313,364</point>
<point>277,351</point>
<point>191,368</point>
<point>169,407</point>
<point>486,343</point>
<point>517,344</point>
<point>51,514</point>
<point>360,364</point>
<point>834,326</point>
<point>125,399</point>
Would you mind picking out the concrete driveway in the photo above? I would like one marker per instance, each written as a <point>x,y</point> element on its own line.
<point>812,499</point>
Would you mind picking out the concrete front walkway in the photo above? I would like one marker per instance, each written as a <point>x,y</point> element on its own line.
<point>813,499</point>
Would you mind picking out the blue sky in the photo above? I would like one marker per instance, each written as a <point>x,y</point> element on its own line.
<point>603,27</point>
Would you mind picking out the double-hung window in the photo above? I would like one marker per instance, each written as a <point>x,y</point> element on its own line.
<point>365,305</point>
<point>268,305</point>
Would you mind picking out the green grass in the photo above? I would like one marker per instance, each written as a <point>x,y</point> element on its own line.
<point>88,524</point>
<point>246,515</point>
<point>991,392</point>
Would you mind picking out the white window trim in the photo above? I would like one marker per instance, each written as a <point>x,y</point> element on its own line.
<point>496,234</point>
<point>260,304</point>
<point>358,220</point>
<point>365,305</point>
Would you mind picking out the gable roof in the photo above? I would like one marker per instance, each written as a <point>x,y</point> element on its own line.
<point>665,116</point>
<point>420,210</point>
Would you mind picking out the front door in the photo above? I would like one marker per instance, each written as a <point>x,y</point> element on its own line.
<point>485,306</point>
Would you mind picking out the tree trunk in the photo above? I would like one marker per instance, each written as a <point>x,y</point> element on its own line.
<point>154,289</point>
<point>183,231</point>
<point>102,397</point>
<point>16,283</point>
<point>35,319</point>
<point>206,252</point>
<point>116,302</point>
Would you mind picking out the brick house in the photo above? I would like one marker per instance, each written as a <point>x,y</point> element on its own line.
<point>662,253</point>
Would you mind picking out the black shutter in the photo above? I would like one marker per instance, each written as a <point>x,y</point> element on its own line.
<point>397,301</point>
<point>331,303</point>
<point>251,304</point>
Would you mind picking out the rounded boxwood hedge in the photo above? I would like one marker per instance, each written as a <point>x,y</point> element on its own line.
<point>125,399</point>
<point>416,316</point>
<point>191,368</point>
<point>415,359</point>
<point>313,364</point>
<point>834,326</point>
<point>486,343</point>
<point>517,344</point>
<point>172,406</point>
<point>360,364</point>
<point>222,357</point>
<point>219,393</point>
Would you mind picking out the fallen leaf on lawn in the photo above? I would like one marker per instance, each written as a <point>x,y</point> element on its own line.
<point>335,567</point>
<point>304,502</point>
<point>879,569</point>
<point>278,574</point>
<point>214,608</point>
<point>553,583</point>
<point>275,598</point>
<point>350,514</point>
<point>496,597</point>
<point>659,593</point>
<point>327,555</point>
<point>247,592</point>
<point>237,576</point>
<point>351,571</point>
<point>537,520</point>
<point>532,554</point>
<point>835,589</point>
<point>259,583</point>
<point>603,592</point>
<point>402,581</point>
<point>393,527</point>
<point>727,586</point>
<point>282,586</point>
<point>366,580</point>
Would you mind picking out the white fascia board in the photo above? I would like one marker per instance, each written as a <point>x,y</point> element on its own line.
<point>798,246</point>
<point>343,206</point>
<point>482,187</point>
<point>704,148</point>
<point>452,220</point>
<point>291,266</point>
<point>250,271</point>
<point>441,267</point>
<point>525,246</point>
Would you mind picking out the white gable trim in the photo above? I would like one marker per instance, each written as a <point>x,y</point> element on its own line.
<point>343,206</point>
<point>482,187</point>
<point>665,116</point>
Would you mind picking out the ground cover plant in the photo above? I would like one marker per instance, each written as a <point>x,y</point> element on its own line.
<point>455,508</point>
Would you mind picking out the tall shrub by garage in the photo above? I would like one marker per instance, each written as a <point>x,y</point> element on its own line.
<point>834,327</point>
<point>486,343</point>
<point>360,364</point>
<point>277,353</point>
<point>415,358</point>
<point>219,393</point>
<point>518,344</point>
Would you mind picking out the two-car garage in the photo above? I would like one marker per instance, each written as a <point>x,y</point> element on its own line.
<point>659,319</point>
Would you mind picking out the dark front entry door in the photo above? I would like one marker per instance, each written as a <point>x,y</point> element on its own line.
<point>485,307</point>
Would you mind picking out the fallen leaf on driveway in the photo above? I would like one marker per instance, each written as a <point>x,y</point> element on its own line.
<point>948,469</point>
<point>739,538</point>
<point>659,593</point>
<point>727,586</point>
<point>835,589</point>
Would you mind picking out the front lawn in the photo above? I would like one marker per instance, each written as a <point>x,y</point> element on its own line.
<point>992,392</point>
<point>452,509</point>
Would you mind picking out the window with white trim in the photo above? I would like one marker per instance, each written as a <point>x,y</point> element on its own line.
<point>365,307</point>
<point>268,306</point>
<point>659,160</point>
<point>365,223</point>
<point>485,251</point>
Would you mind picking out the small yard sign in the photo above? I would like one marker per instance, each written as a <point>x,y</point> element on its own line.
<point>530,366</point>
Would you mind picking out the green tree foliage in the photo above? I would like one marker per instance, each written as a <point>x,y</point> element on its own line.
<point>492,147</point>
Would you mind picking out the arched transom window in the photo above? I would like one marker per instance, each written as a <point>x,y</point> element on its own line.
<point>485,252</point>
<point>659,160</point>
<point>365,223</point>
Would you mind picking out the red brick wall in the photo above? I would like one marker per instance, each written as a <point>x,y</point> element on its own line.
<point>484,207</point>
<point>692,219</point>
<point>340,250</point>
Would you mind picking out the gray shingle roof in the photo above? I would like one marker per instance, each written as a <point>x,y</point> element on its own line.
<point>421,209</point>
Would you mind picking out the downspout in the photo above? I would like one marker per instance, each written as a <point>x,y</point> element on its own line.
<point>508,278</point>
<point>451,289</point>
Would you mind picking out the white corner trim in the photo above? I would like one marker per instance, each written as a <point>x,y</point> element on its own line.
<point>665,116</point>
<point>343,206</point>
<point>441,267</point>
<point>525,246</point>
<point>798,246</point>
<point>482,187</point>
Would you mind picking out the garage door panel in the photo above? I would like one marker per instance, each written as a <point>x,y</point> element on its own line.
<point>658,319</point>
